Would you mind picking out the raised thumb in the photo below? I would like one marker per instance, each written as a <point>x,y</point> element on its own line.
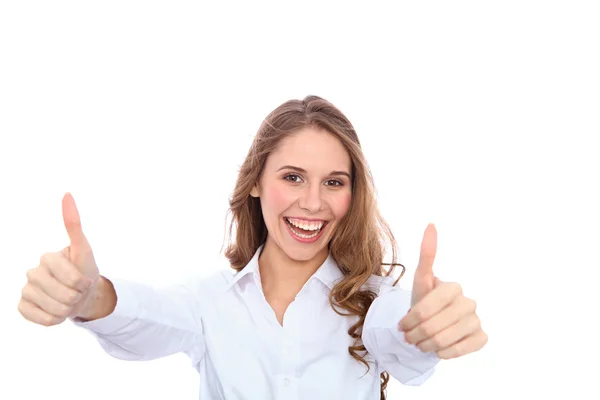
<point>424,279</point>
<point>79,245</point>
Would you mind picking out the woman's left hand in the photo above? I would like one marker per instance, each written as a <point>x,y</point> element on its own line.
<point>441,319</point>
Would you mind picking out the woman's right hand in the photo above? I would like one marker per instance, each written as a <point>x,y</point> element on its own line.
<point>63,285</point>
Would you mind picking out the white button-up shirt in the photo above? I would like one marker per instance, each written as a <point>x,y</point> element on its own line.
<point>232,336</point>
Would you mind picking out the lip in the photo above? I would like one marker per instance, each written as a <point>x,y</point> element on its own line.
<point>303,240</point>
<point>308,219</point>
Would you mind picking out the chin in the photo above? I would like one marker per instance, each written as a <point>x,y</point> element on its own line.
<point>301,255</point>
<point>302,252</point>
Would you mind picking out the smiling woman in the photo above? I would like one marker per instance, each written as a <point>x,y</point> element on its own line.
<point>315,196</point>
<point>310,311</point>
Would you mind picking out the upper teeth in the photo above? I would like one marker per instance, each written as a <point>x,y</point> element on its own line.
<point>306,225</point>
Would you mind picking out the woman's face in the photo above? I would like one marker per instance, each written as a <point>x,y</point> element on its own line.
<point>305,190</point>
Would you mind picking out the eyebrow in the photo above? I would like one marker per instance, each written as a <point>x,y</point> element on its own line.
<point>302,170</point>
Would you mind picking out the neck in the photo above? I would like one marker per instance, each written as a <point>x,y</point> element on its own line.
<point>283,277</point>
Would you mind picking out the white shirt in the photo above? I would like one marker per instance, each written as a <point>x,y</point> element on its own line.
<point>234,341</point>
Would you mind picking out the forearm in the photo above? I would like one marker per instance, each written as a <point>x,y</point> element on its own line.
<point>381,337</point>
<point>144,322</point>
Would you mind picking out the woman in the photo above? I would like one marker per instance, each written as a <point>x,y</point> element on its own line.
<point>309,311</point>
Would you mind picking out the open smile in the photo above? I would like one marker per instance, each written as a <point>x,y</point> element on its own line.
<point>305,230</point>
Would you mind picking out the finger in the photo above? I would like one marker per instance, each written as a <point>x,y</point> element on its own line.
<point>79,247</point>
<point>65,272</point>
<point>423,280</point>
<point>42,278</point>
<point>433,302</point>
<point>72,220</point>
<point>467,345</point>
<point>33,313</point>
<point>451,335</point>
<point>428,251</point>
<point>460,308</point>
<point>37,296</point>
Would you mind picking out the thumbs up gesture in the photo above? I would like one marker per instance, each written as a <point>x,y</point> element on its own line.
<point>441,319</point>
<point>62,285</point>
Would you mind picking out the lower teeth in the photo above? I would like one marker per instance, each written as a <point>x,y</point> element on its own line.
<point>304,236</point>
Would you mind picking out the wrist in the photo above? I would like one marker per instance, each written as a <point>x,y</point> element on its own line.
<point>100,302</point>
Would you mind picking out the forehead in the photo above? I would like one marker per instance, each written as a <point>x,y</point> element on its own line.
<point>311,149</point>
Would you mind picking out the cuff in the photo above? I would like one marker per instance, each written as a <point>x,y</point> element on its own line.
<point>126,311</point>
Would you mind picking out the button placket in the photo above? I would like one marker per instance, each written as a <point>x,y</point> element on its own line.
<point>289,355</point>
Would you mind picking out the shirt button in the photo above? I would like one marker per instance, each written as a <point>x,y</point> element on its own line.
<point>286,382</point>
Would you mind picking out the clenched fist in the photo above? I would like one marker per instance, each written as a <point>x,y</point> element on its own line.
<point>65,283</point>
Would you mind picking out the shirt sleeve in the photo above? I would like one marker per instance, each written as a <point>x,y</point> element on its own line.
<point>149,323</point>
<point>402,360</point>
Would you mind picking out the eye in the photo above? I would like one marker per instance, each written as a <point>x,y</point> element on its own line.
<point>334,182</point>
<point>294,178</point>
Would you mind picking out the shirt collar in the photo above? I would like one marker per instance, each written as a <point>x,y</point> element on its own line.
<point>328,273</point>
<point>250,269</point>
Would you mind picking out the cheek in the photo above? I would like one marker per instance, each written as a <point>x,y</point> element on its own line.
<point>276,200</point>
<point>341,204</point>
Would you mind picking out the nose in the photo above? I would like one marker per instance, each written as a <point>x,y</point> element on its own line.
<point>310,198</point>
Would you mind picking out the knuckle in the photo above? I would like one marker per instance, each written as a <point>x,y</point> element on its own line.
<point>476,323</point>
<point>25,292</point>
<point>30,274</point>
<point>75,280</point>
<point>428,330</point>
<point>47,320</point>
<point>46,258</point>
<point>420,313</point>
<point>457,288</point>
<point>71,297</point>
<point>458,350</point>
<point>437,341</point>
<point>471,304</point>
<point>446,354</point>
<point>21,308</point>
<point>441,353</point>
<point>50,320</point>
<point>70,280</point>
<point>63,311</point>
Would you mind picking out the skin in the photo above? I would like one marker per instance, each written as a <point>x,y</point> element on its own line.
<point>67,283</point>
<point>314,193</point>
<point>442,319</point>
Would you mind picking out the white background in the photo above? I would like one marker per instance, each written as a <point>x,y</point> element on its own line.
<point>482,117</point>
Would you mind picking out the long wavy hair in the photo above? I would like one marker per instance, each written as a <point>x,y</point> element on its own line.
<point>358,244</point>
